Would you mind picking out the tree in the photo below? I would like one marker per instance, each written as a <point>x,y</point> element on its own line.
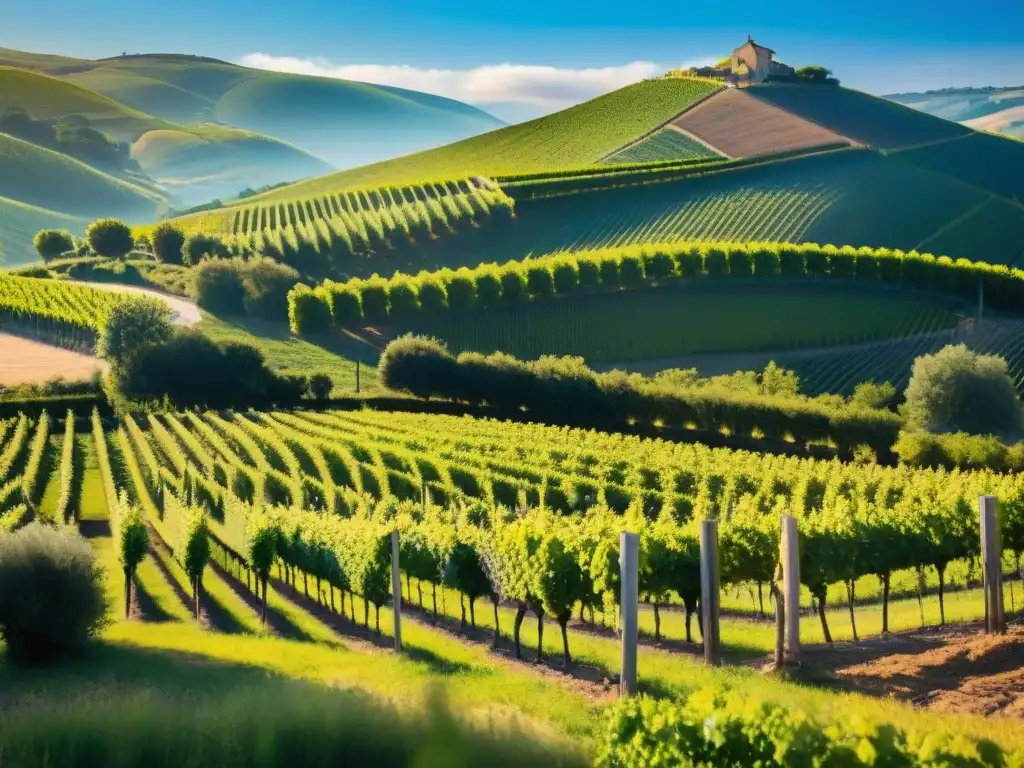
<point>814,74</point>
<point>133,324</point>
<point>958,390</point>
<point>320,386</point>
<point>168,242</point>
<point>110,238</point>
<point>52,243</point>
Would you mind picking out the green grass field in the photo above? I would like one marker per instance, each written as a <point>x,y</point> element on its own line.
<point>991,163</point>
<point>688,320</point>
<point>666,144</point>
<point>580,135</point>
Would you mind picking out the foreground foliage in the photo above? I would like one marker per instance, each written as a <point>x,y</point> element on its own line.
<point>731,729</point>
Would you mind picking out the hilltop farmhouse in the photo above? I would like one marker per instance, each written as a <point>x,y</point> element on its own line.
<point>750,63</point>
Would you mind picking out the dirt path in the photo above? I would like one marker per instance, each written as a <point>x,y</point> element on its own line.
<point>26,361</point>
<point>947,669</point>
<point>185,312</point>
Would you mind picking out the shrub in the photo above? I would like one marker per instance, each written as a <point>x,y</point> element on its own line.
<point>265,286</point>
<point>143,244</point>
<point>374,298</point>
<point>631,271</point>
<point>51,244</point>
<point>539,282</point>
<point>134,322</point>
<point>767,261</point>
<point>566,275</point>
<point>866,267</point>
<point>320,386</point>
<point>870,394</point>
<point>841,263</point>
<point>308,311</point>
<point>611,278</point>
<point>957,390</point>
<point>461,288</point>
<point>959,450</point>
<point>716,262</point>
<point>513,282</point>
<point>488,285</point>
<point>110,238</point>
<point>402,296</point>
<point>218,287</point>
<point>420,366</point>
<point>741,263</point>
<point>201,246</point>
<point>791,261</point>
<point>687,261</point>
<point>658,265</point>
<point>816,261</point>
<point>345,303</point>
<point>433,295</point>
<point>168,243</point>
<point>52,598</point>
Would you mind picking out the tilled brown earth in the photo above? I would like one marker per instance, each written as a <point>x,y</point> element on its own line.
<point>952,669</point>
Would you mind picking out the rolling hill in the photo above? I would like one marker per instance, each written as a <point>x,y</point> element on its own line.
<point>999,110</point>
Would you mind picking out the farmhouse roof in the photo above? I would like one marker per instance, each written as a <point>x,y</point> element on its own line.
<point>758,48</point>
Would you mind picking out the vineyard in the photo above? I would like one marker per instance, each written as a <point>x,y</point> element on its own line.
<point>666,144</point>
<point>275,522</point>
<point>357,222</point>
<point>62,312</point>
<point>688,320</point>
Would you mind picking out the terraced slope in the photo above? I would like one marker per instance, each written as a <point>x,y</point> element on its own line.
<point>577,136</point>
<point>858,116</point>
<point>738,124</point>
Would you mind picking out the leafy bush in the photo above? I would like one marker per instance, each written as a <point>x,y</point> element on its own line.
<point>320,386</point>
<point>51,244</point>
<point>461,288</point>
<point>307,311</point>
<point>416,365</point>
<point>344,302</point>
<point>959,450</point>
<point>433,293</point>
<point>958,390</point>
<point>871,394</point>
<point>52,598</point>
<point>488,285</point>
<point>631,271</point>
<point>402,297</point>
<point>374,299</point>
<point>110,238</point>
<point>265,286</point>
<point>513,282</point>
<point>201,246</point>
<point>566,276</point>
<point>168,243</point>
<point>729,728</point>
<point>218,287</point>
<point>133,324</point>
<point>539,282</point>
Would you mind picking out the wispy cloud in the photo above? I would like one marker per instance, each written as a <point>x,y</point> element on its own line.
<point>546,88</point>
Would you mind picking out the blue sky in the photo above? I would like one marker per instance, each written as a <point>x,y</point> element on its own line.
<point>881,46</point>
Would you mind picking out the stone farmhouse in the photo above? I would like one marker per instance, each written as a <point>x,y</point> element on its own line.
<point>750,63</point>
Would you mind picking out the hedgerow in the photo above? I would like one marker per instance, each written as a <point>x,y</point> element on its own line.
<point>378,300</point>
<point>565,391</point>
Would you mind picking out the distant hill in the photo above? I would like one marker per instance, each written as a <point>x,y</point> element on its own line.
<point>201,129</point>
<point>346,123</point>
<point>999,110</point>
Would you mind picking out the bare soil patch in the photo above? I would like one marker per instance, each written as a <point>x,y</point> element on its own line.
<point>740,125</point>
<point>25,361</point>
<point>947,669</point>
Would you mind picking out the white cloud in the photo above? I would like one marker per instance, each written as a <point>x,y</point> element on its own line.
<point>544,87</point>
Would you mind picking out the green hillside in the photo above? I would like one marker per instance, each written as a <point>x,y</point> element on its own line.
<point>577,136</point>
<point>1000,110</point>
<point>20,222</point>
<point>47,97</point>
<point>48,179</point>
<point>992,163</point>
<point>146,94</point>
<point>207,161</point>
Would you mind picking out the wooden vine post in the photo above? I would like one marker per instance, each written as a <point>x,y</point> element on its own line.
<point>791,589</point>
<point>396,591</point>
<point>629,564</point>
<point>710,597</point>
<point>991,565</point>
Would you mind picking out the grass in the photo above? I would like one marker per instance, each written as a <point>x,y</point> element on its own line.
<point>335,356</point>
<point>992,163</point>
<point>688,320</point>
<point>576,136</point>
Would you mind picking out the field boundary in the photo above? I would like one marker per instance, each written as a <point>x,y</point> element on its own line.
<point>645,136</point>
